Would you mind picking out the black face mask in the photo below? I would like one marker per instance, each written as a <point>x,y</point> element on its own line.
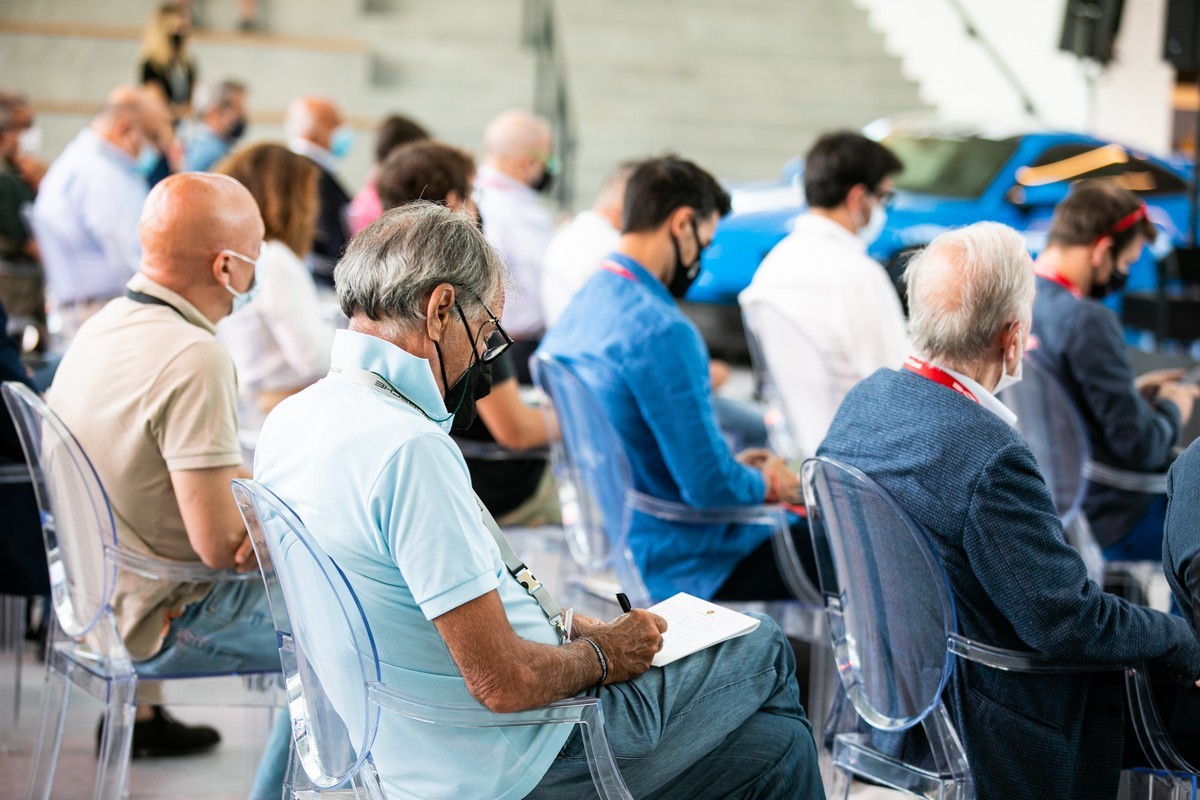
<point>684,277</point>
<point>176,41</point>
<point>236,130</point>
<point>544,183</point>
<point>474,384</point>
<point>1115,283</point>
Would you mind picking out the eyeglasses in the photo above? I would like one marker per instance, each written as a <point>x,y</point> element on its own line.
<point>496,350</point>
<point>885,198</point>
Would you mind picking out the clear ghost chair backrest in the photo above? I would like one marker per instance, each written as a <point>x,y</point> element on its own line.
<point>77,521</point>
<point>592,472</point>
<point>325,644</point>
<point>887,598</point>
<point>1051,426</point>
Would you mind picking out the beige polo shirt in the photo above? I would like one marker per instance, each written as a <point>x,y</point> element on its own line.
<point>148,390</point>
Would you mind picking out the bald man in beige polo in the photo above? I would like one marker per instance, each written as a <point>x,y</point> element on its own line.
<point>151,396</point>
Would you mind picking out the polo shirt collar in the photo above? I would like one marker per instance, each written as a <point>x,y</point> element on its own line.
<point>109,150</point>
<point>985,398</point>
<point>489,177</point>
<point>411,375</point>
<point>140,283</point>
<point>643,276</point>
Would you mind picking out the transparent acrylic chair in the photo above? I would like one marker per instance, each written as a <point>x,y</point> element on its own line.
<point>893,624</point>
<point>332,668</point>
<point>1051,425</point>
<point>795,380</point>
<point>595,487</point>
<point>86,649</point>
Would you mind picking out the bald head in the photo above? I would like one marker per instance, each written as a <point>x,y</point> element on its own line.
<point>518,144</point>
<point>313,119</point>
<point>187,221</point>
<point>965,289</point>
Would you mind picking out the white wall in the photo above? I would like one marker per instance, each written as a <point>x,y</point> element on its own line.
<point>1133,96</point>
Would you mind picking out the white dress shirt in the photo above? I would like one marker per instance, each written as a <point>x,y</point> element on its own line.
<point>517,225</point>
<point>573,256</point>
<point>86,220</point>
<point>280,340</point>
<point>985,398</point>
<point>838,319</point>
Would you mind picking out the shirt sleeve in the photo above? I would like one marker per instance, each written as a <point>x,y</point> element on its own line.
<point>671,388</point>
<point>292,312</point>
<point>1140,435</point>
<point>423,504</point>
<point>875,324</point>
<point>195,415</point>
<point>1181,536</point>
<point>1054,607</point>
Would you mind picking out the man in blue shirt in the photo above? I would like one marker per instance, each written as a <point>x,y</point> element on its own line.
<point>386,493</point>
<point>222,123</point>
<point>627,339</point>
<point>1132,424</point>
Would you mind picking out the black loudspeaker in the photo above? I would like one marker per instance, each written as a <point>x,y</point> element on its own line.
<point>1181,44</point>
<point>1090,28</point>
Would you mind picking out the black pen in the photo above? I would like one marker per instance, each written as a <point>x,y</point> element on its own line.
<point>624,601</point>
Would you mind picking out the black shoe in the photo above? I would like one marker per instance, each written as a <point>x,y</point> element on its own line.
<point>163,735</point>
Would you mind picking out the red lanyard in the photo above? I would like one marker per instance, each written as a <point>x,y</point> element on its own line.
<point>937,375</point>
<point>617,269</point>
<point>1054,277</point>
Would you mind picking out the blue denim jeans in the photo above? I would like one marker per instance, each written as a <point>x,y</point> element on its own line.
<point>723,723</point>
<point>230,630</point>
<point>741,422</point>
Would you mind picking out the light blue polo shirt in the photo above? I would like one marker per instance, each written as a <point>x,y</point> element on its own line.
<point>386,493</point>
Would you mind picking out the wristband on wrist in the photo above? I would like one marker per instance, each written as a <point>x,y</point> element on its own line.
<point>772,488</point>
<point>602,659</point>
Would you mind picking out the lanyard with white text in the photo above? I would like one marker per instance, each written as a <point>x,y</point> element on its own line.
<point>559,619</point>
<point>938,375</point>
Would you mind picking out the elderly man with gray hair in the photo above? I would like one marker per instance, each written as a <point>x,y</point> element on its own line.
<point>386,493</point>
<point>933,435</point>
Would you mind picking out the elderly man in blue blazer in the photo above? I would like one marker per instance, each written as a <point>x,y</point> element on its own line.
<point>935,437</point>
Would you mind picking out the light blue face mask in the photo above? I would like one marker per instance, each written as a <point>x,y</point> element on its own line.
<point>147,160</point>
<point>341,141</point>
<point>242,299</point>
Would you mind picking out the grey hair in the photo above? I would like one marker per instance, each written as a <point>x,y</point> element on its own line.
<point>964,288</point>
<point>390,268</point>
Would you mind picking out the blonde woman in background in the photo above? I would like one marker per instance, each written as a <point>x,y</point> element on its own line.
<point>279,340</point>
<point>166,64</point>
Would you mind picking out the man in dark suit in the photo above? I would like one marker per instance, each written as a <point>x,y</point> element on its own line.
<point>316,130</point>
<point>933,436</point>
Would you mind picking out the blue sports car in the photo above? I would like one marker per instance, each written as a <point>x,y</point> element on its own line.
<point>953,178</point>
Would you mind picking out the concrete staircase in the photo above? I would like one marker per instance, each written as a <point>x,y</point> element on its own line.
<point>739,87</point>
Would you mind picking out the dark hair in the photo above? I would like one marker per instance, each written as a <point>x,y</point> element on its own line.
<point>395,131</point>
<point>660,186</point>
<point>425,170</point>
<point>840,161</point>
<point>1091,211</point>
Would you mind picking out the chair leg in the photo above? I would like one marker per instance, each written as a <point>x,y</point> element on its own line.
<point>12,640</point>
<point>50,731</point>
<point>842,781</point>
<point>366,782</point>
<point>112,769</point>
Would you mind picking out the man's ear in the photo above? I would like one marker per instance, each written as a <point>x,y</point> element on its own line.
<point>220,269</point>
<point>1099,249</point>
<point>680,221</point>
<point>437,310</point>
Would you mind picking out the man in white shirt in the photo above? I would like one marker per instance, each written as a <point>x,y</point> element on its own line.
<point>578,247</point>
<point>87,209</point>
<point>518,162</point>
<point>825,313</point>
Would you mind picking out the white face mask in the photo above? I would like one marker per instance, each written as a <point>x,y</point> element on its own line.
<point>870,232</point>
<point>1007,380</point>
<point>29,143</point>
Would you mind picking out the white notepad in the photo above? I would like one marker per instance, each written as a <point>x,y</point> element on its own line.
<point>694,624</point>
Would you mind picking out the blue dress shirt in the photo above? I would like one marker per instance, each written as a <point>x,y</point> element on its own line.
<point>648,365</point>
<point>86,220</point>
<point>204,150</point>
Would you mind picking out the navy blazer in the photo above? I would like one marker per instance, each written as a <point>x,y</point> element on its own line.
<point>1181,540</point>
<point>972,483</point>
<point>331,235</point>
<point>1082,341</point>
